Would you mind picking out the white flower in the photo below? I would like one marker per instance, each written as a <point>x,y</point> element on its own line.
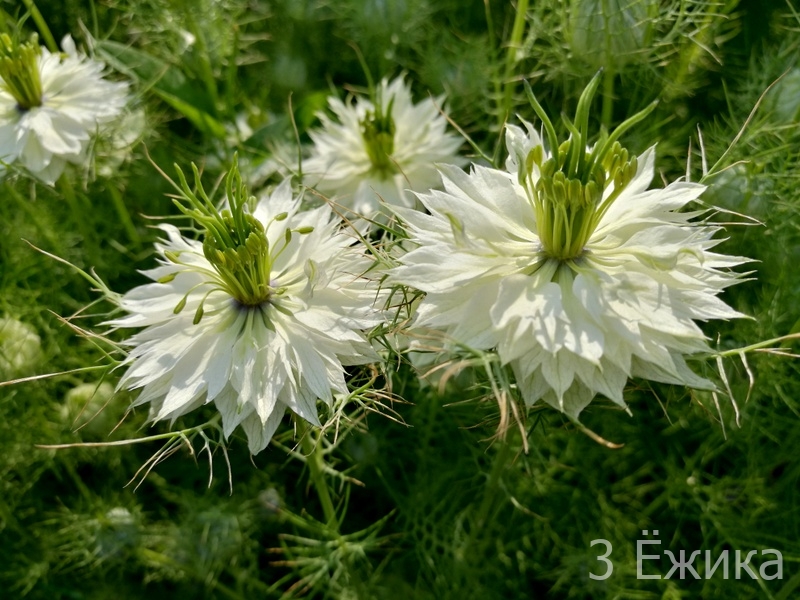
<point>579,279</point>
<point>379,151</point>
<point>256,325</point>
<point>51,105</point>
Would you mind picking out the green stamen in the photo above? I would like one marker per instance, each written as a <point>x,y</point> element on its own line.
<point>19,71</point>
<point>235,243</point>
<point>378,131</point>
<point>568,195</point>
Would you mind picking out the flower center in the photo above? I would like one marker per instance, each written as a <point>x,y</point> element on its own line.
<point>569,205</point>
<point>235,243</point>
<point>239,252</point>
<point>378,131</point>
<point>19,71</point>
<point>571,189</point>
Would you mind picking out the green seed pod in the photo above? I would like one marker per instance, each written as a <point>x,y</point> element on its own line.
<point>20,347</point>
<point>609,33</point>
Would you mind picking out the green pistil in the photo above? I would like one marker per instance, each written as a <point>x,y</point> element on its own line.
<point>19,71</point>
<point>568,194</point>
<point>244,267</point>
<point>235,242</point>
<point>378,131</point>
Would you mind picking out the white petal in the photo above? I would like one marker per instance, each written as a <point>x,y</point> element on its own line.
<point>259,434</point>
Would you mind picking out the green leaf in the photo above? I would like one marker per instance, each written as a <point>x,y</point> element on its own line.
<point>199,118</point>
<point>305,112</point>
<point>278,128</point>
<point>168,82</point>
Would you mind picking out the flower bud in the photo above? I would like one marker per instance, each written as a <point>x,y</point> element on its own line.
<point>609,32</point>
<point>20,347</point>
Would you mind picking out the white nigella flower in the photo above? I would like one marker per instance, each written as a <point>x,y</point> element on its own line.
<point>377,151</point>
<point>258,318</point>
<point>51,105</point>
<point>569,266</point>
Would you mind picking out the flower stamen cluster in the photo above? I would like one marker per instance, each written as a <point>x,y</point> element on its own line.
<point>378,131</point>
<point>235,243</point>
<point>574,187</point>
<point>19,71</point>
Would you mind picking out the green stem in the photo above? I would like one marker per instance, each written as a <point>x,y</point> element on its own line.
<point>493,483</point>
<point>206,71</point>
<point>150,438</point>
<point>33,214</point>
<point>231,81</point>
<point>82,487</point>
<point>95,25</point>
<point>78,208</point>
<point>316,465</point>
<point>124,215</point>
<point>511,58</point>
<point>41,24</point>
<point>745,349</point>
<point>474,550</point>
<point>608,96</point>
<point>496,82</point>
<point>489,22</point>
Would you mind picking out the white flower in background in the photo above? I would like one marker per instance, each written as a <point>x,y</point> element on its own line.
<point>20,347</point>
<point>116,141</point>
<point>51,105</point>
<point>378,151</point>
<point>258,318</point>
<point>569,266</point>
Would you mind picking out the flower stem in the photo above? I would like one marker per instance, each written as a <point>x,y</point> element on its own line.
<point>608,96</point>
<point>170,435</point>
<point>493,483</point>
<point>41,24</point>
<point>473,551</point>
<point>124,215</point>
<point>204,58</point>
<point>78,208</point>
<point>35,218</point>
<point>511,59</point>
<point>316,465</point>
<point>763,346</point>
